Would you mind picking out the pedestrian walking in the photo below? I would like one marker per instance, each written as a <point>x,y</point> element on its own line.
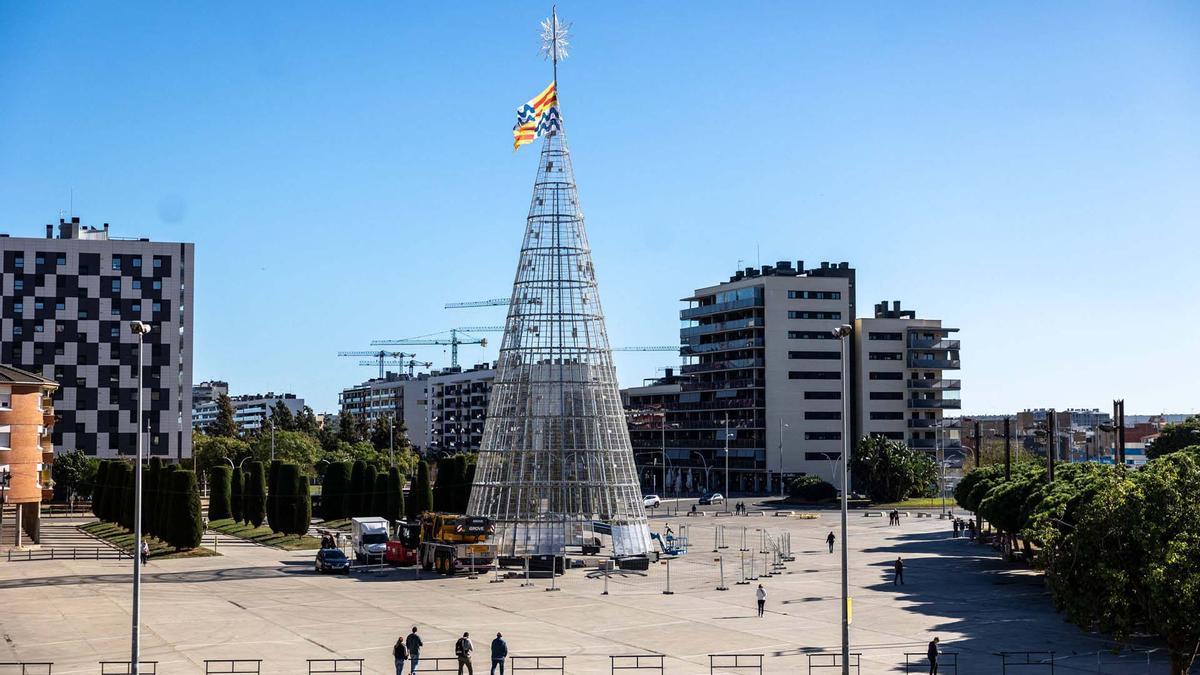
<point>761,596</point>
<point>957,524</point>
<point>933,656</point>
<point>499,653</point>
<point>463,649</point>
<point>898,579</point>
<point>829,540</point>
<point>414,644</point>
<point>145,553</point>
<point>399,655</point>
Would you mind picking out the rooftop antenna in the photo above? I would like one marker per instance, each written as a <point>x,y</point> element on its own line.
<point>72,202</point>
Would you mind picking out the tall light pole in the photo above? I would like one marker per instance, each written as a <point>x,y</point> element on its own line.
<point>727,492</point>
<point>139,329</point>
<point>843,334</point>
<point>664,452</point>
<point>272,420</point>
<point>781,426</point>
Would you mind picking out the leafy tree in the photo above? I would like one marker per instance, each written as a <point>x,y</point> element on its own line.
<point>395,495</point>
<point>889,471</point>
<point>333,491</point>
<point>74,473</point>
<point>282,417</point>
<point>983,478</point>
<point>379,496</point>
<point>210,451</point>
<point>306,422</point>
<point>290,446</point>
<point>224,424</point>
<point>1174,437</point>
<point>219,498</point>
<point>99,487</point>
<point>358,489</point>
<point>811,488</point>
<point>236,496</point>
<point>420,498</point>
<point>350,428</point>
<point>255,494</point>
<point>185,528</point>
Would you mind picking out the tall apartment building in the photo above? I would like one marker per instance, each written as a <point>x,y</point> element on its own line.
<point>67,305</point>
<point>764,370</point>
<point>398,396</point>
<point>458,404</point>
<point>209,391</point>
<point>903,391</point>
<point>250,411</point>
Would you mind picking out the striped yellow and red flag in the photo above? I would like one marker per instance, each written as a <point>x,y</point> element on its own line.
<point>537,117</point>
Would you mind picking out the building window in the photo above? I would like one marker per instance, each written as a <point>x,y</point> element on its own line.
<point>59,350</point>
<point>137,284</point>
<point>885,336</point>
<point>38,304</point>
<point>115,311</point>
<point>114,332</point>
<point>887,415</point>
<point>810,335</point>
<point>814,375</point>
<point>890,435</point>
<point>887,396</point>
<point>827,316</point>
<point>60,306</point>
<point>156,307</point>
<point>60,259</point>
<point>814,295</point>
<point>116,262</point>
<point>83,314</point>
<point>115,285</point>
<point>18,307</point>
<point>6,398</point>
<point>158,262</point>
<point>886,376</point>
<point>823,395</point>
<point>822,415</point>
<point>822,435</point>
<point>19,262</point>
<point>885,356</point>
<point>828,356</point>
<point>39,328</point>
<point>5,438</point>
<point>18,285</point>
<point>156,284</point>
<point>137,307</point>
<point>136,262</point>
<point>39,259</point>
<point>821,456</point>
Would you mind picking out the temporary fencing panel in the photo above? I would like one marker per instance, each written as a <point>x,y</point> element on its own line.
<point>326,666</point>
<point>1023,662</point>
<point>26,667</point>
<point>918,662</point>
<point>646,663</point>
<point>738,663</point>
<point>232,666</point>
<point>539,664</point>
<point>124,667</point>
<point>827,661</point>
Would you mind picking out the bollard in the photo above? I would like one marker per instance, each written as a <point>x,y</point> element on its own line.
<point>668,591</point>
<point>527,582</point>
<point>722,586</point>
<point>606,563</point>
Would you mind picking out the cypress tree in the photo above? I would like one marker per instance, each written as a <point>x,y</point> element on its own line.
<point>219,502</point>
<point>235,495</point>
<point>272,511</point>
<point>110,491</point>
<point>395,494</point>
<point>333,491</point>
<point>420,498</point>
<point>163,498</point>
<point>379,496</point>
<point>468,478</point>
<point>440,486</point>
<point>98,489</point>
<point>303,516</point>
<point>125,512</point>
<point>285,498</point>
<point>255,491</point>
<point>368,498</point>
<point>150,495</point>
<point>354,498</point>
<point>185,528</point>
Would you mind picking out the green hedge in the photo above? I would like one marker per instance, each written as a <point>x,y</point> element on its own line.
<point>220,480</point>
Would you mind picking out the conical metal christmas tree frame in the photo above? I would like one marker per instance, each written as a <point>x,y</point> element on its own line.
<point>555,456</point>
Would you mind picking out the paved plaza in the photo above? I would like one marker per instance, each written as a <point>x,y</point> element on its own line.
<point>260,603</point>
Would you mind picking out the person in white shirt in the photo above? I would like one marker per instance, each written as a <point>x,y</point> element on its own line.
<point>762,599</point>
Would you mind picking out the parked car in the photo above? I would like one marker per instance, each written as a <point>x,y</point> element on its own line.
<point>712,498</point>
<point>651,501</point>
<point>332,560</point>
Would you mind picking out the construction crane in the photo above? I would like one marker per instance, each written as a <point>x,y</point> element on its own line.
<point>648,348</point>
<point>380,358</point>
<point>454,341</point>
<point>477,303</point>
<point>412,363</point>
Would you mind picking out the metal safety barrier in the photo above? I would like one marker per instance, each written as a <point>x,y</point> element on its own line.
<point>325,666</point>
<point>918,662</point>
<point>640,662</point>
<point>1022,661</point>
<point>541,664</point>
<point>124,667</point>
<point>232,666</point>
<point>26,667</point>
<point>744,663</point>
<point>438,664</point>
<point>73,553</point>
<point>832,660</point>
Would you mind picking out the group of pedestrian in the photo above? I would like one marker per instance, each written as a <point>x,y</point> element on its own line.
<point>328,540</point>
<point>964,528</point>
<point>408,648</point>
<point>893,517</point>
<point>739,509</point>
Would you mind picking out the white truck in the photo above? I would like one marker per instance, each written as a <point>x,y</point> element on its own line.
<point>368,538</point>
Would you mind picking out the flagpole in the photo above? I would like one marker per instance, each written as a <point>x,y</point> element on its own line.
<point>554,43</point>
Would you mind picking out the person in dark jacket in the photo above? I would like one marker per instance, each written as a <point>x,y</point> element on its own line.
<point>463,650</point>
<point>399,654</point>
<point>499,653</point>
<point>898,579</point>
<point>414,644</point>
<point>933,657</point>
<point>829,540</point>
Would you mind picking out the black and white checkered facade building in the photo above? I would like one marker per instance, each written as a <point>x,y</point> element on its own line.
<point>67,305</point>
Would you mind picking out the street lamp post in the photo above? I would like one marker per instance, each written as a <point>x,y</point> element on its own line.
<point>728,493</point>
<point>704,462</point>
<point>781,427</point>
<point>843,333</point>
<point>272,420</point>
<point>139,329</point>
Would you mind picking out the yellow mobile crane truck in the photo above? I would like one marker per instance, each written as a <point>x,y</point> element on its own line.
<point>452,543</point>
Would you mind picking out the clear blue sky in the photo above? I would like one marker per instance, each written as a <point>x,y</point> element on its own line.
<point>1028,173</point>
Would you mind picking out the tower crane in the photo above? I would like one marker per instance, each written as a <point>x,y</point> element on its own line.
<point>411,363</point>
<point>380,357</point>
<point>647,348</point>
<point>454,341</point>
<point>477,303</point>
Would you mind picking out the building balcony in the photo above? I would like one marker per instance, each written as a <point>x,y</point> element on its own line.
<point>934,403</point>
<point>938,343</point>
<point>718,404</point>
<point>937,384</point>
<point>931,424</point>
<point>935,364</point>
<point>727,346</point>
<point>731,364</point>
<point>715,385</point>
<point>933,444</point>
<point>708,329</point>
<point>719,307</point>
